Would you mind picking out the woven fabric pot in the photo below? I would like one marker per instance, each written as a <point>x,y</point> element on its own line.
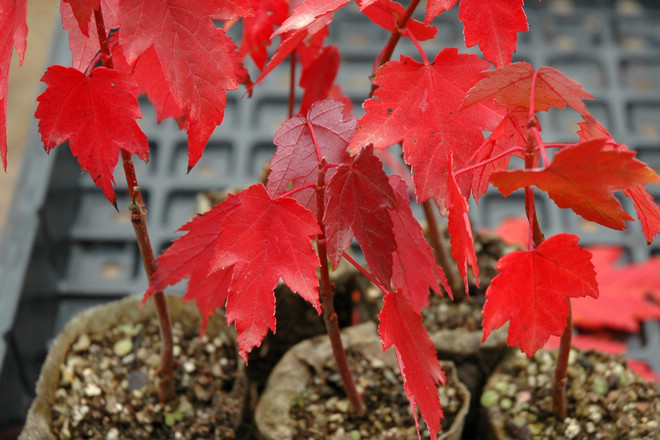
<point>100,319</point>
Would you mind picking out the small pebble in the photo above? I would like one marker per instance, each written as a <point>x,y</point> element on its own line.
<point>113,434</point>
<point>82,343</point>
<point>123,347</point>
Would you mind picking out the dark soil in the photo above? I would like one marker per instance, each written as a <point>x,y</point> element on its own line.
<point>108,387</point>
<point>606,399</point>
<point>324,412</point>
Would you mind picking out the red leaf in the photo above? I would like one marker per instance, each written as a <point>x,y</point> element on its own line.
<point>13,22</point>
<point>532,290</point>
<point>310,18</point>
<point>198,71</point>
<point>437,7</point>
<point>460,229</point>
<point>494,25</point>
<point>510,86</point>
<point>264,240</point>
<point>295,163</point>
<point>318,76</point>
<point>386,14</point>
<point>415,271</point>
<point>190,256</point>
<point>96,114</point>
<point>82,10</point>
<point>402,327</point>
<point>420,105</point>
<point>625,291</point>
<point>84,42</point>
<point>648,211</point>
<point>358,203</point>
<point>509,133</point>
<point>257,29</point>
<point>583,178</point>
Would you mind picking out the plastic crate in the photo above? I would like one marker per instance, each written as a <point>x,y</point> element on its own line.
<point>65,248</point>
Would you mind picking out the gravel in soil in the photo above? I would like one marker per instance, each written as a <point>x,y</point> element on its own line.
<point>606,399</point>
<point>324,412</point>
<point>108,387</point>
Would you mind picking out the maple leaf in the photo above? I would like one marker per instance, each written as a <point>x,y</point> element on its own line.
<point>264,240</point>
<point>308,19</point>
<point>295,163</point>
<point>83,37</point>
<point>437,7</point>
<point>510,86</point>
<point>494,25</point>
<point>82,10</point>
<point>460,229</point>
<point>96,114</point>
<point>257,29</point>
<point>532,289</point>
<point>401,326</point>
<point>624,293</point>
<point>583,178</point>
<point>199,71</point>
<point>415,271</point>
<point>420,104</point>
<point>318,76</point>
<point>358,200</point>
<point>648,211</point>
<point>190,256</point>
<point>386,14</point>
<point>509,133</point>
<point>13,22</point>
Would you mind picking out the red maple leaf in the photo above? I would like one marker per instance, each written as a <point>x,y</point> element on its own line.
<point>96,114</point>
<point>308,19</point>
<point>257,29</point>
<point>264,240</point>
<point>625,291</point>
<point>532,289</point>
<point>386,14</point>
<point>460,229</point>
<point>509,133</point>
<point>648,211</point>
<point>415,271</point>
<point>494,25</point>
<point>83,38</point>
<point>401,326</point>
<point>419,104</point>
<point>583,178</point>
<point>246,244</point>
<point>295,163</point>
<point>199,70</point>
<point>358,203</point>
<point>317,78</point>
<point>437,7</point>
<point>82,10</point>
<point>190,256</point>
<point>510,86</point>
<point>13,22</point>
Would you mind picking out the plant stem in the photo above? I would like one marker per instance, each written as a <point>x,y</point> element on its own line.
<point>327,303</point>
<point>166,390</point>
<point>292,84</point>
<point>559,378</point>
<point>439,249</point>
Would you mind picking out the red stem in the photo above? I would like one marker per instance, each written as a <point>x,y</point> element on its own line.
<point>439,249</point>
<point>327,303</point>
<point>486,162</point>
<point>166,389</point>
<point>387,52</point>
<point>292,84</point>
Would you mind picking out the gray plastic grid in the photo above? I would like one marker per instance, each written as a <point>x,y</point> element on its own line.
<point>82,252</point>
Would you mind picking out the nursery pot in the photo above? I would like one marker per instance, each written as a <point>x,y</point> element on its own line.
<point>77,361</point>
<point>310,365</point>
<point>605,399</point>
